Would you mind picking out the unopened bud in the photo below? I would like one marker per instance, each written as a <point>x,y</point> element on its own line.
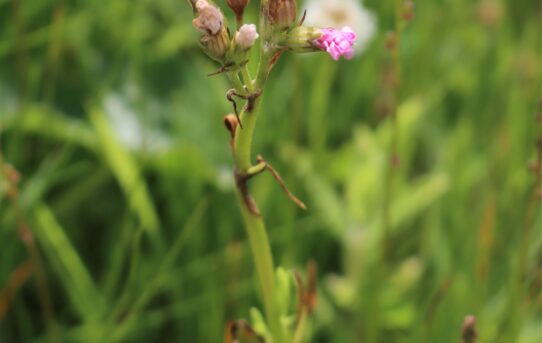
<point>301,39</point>
<point>238,6</point>
<point>282,13</point>
<point>246,36</point>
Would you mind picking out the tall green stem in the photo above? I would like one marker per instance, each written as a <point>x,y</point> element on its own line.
<point>255,226</point>
<point>263,259</point>
<point>242,149</point>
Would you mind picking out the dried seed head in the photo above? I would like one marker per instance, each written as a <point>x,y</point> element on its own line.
<point>282,13</point>
<point>217,45</point>
<point>210,20</point>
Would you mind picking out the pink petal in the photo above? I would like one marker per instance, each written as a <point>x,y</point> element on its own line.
<point>337,43</point>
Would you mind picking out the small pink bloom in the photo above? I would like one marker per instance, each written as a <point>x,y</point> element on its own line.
<point>337,43</point>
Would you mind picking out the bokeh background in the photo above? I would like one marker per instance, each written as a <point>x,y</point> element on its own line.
<point>125,227</point>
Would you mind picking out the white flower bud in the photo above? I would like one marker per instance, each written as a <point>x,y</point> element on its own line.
<point>246,36</point>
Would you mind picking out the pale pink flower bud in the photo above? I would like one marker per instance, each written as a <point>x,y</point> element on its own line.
<point>337,43</point>
<point>246,36</point>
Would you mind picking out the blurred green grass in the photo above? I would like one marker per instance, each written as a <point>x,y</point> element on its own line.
<point>107,112</point>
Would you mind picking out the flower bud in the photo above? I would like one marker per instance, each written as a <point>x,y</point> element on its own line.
<point>238,7</point>
<point>301,39</point>
<point>246,36</point>
<point>282,13</point>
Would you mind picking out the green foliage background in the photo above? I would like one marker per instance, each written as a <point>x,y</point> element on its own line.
<point>107,112</point>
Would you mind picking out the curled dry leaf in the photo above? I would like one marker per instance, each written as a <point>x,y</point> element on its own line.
<point>307,297</point>
<point>240,331</point>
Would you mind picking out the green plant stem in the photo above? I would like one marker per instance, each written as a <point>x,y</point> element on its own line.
<point>242,149</point>
<point>255,227</point>
<point>263,259</point>
<point>391,171</point>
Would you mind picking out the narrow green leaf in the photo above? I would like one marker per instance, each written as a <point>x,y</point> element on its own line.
<point>67,265</point>
<point>128,175</point>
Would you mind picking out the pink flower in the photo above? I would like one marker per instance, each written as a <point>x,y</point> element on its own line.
<point>337,43</point>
